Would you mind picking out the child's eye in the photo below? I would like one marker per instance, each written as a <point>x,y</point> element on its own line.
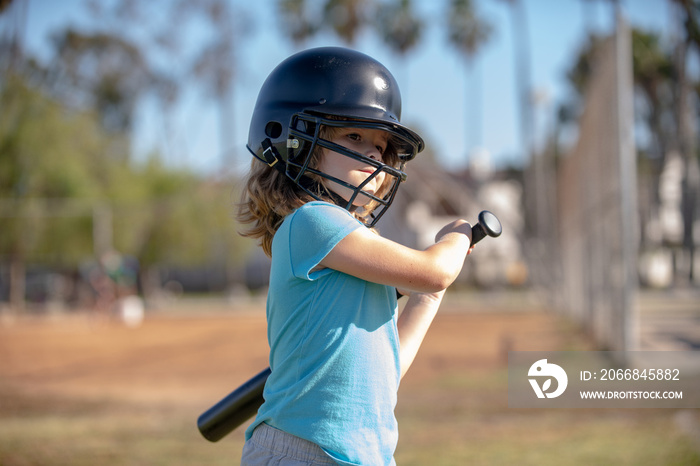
<point>354,136</point>
<point>380,149</point>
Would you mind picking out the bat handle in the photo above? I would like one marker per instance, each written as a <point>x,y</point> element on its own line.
<point>233,410</point>
<point>488,225</point>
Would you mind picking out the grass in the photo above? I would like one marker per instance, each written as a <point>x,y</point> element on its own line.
<point>452,405</point>
<point>558,438</point>
<point>110,434</point>
<point>548,439</point>
<point>456,420</point>
<point>464,420</point>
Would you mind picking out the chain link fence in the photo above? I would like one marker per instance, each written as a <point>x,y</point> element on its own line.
<point>594,240</point>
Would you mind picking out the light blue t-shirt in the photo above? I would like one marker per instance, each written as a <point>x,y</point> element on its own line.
<point>334,346</point>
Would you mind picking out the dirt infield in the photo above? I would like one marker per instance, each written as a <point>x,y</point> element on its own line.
<point>77,390</point>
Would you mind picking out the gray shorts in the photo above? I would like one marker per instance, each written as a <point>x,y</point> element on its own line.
<point>270,446</point>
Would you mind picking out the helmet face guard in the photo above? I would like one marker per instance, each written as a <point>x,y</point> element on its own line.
<point>331,87</point>
<point>303,143</point>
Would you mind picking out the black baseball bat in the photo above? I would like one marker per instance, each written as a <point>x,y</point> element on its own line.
<point>234,409</point>
<point>242,403</point>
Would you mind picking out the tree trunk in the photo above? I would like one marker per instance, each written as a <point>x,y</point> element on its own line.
<point>686,141</point>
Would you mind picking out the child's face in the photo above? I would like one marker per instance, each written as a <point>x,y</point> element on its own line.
<point>369,142</point>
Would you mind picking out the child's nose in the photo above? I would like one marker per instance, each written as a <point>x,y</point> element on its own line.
<point>373,153</point>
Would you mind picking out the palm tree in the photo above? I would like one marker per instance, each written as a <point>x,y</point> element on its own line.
<point>398,25</point>
<point>294,20</point>
<point>689,10</point>
<point>215,68</point>
<point>346,17</point>
<point>521,47</point>
<point>467,33</point>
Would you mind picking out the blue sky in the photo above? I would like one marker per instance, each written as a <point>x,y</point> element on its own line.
<point>459,113</point>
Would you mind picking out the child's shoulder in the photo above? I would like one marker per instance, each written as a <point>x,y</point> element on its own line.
<point>320,214</point>
<point>322,208</point>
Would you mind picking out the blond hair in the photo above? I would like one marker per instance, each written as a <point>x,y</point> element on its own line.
<point>269,195</point>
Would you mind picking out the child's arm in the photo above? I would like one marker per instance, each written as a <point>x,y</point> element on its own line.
<point>413,324</point>
<point>370,257</point>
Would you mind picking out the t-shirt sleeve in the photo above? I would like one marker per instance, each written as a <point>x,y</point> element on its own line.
<point>315,230</point>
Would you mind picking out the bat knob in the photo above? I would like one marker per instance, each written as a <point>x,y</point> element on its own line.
<point>488,225</point>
